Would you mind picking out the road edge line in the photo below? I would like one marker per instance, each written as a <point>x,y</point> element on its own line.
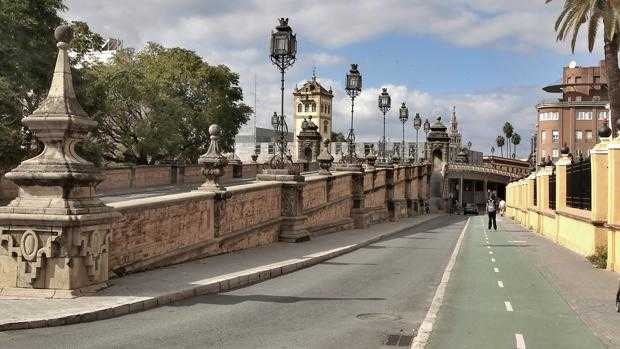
<point>426,328</point>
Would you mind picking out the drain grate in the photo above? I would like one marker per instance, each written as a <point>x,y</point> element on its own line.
<point>398,340</point>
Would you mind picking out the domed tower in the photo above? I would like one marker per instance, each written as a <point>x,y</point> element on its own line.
<point>312,101</point>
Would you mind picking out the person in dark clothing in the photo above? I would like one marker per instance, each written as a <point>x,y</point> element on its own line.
<point>492,212</point>
<point>618,298</point>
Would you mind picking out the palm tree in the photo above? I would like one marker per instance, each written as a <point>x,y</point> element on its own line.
<point>576,13</point>
<point>516,139</point>
<point>500,143</point>
<point>508,131</point>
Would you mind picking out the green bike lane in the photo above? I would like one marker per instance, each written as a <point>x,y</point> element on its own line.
<point>496,298</point>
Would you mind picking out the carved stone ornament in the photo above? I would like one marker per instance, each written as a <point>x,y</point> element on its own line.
<point>213,161</point>
<point>325,159</point>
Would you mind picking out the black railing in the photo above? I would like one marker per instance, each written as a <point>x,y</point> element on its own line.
<point>535,194</point>
<point>578,184</point>
<point>552,191</point>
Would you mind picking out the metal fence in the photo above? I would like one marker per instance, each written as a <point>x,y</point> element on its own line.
<point>535,194</point>
<point>552,190</point>
<point>578,184</point>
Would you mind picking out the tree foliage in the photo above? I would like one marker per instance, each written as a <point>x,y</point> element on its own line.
<point>156,104</point>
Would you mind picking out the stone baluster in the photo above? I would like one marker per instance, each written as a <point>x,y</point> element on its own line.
<point>213,162</point>
<point>56,233</point>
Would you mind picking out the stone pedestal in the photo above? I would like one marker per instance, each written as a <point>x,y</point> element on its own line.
<point>293,225</point>
<point>56,233</point>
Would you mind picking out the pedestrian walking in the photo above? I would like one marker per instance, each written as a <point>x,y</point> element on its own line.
<point>492,211</point>
<point>618,298</point>
<point>502,207</point>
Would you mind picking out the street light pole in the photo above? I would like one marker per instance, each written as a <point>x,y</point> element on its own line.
<point>417,122</point>
<point>283,55</point>
<point>427,128</point>
<point>403,116</point>
<point>385,103</point>
<point>353,88</point>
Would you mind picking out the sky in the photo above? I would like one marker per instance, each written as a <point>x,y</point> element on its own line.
<point>488,58</point>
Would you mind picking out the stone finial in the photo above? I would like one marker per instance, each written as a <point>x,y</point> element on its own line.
<point>396,157</point>
<point>325,159</point>
<point>371,158</point>
<point>213,161</point>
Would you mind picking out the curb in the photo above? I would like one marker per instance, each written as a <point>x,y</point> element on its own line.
<point>209,286</point>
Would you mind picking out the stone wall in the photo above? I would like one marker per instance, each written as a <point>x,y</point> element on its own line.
<point>169,229</point>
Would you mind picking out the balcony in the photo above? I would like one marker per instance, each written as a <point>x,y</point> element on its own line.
<point>558,103</point>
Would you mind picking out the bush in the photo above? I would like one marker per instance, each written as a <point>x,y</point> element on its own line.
<point>599,258</point>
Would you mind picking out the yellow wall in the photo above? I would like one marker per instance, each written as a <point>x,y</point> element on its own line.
<point>579,236</point>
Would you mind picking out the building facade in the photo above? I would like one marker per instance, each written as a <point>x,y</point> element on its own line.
<point>573,117</point>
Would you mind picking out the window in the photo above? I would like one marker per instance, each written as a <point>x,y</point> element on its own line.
<point>603,115</point>
<point>556,153</point>
<point>329,108</point>
<point>597,79</point>
<point>543,135</point>
<point>299,106</point>
<point>270,149</point>
<point>578,98</point>
<point>555,136</point>
<point>569,80</point>
<point>550,115</point>
<point>313,107</point>
<point>306,108</point>
<point>578,135</point>
<point>338,148</point>
<point>257,148</point>
<point>325,126</point>
<point>589,134</point>
<point>584,115</point>
<point>577,79</point>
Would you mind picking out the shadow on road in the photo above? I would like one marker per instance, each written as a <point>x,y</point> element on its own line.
<point>229,299</point>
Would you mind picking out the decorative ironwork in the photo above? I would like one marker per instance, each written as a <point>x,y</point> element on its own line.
<point>353,88</point>
<point>535,201</point>
<point>417,123</point>
<point>578,184</point>
<point>403,116</point>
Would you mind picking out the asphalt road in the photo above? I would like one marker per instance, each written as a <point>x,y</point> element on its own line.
<point>371,298</point>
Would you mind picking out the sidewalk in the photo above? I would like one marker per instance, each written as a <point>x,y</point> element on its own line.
<point>143,291</point>
<point>590,292</point>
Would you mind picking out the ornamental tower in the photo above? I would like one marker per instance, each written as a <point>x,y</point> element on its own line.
<point>455,135</point>
<point>312,101</point>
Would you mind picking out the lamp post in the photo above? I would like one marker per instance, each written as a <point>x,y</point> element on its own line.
<point>403,116</point>
<point>426,128</point>
<point>385,103</point>
<point>283,54</point>
<point>417,123</point>
<point>353,88</point>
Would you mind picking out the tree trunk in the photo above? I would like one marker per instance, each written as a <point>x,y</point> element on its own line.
<point>613,79</point>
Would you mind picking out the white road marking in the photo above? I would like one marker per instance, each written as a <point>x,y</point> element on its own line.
<point>500,284</point>
<point>496,270</point>
<point>490,252</point>
<point>489,247</point>
<point>517,241</point>
<point>520,341</point>
<point>425,330</point>
<point>508,306</point>
<point>492,260</point>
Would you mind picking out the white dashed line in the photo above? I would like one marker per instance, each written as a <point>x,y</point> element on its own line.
<point>489,247</point>
<point>490,252</point>
<point>508,306</point>
<point>520,341</point>
<point>500,284</point>
<point>517,241</point>
<point>496,270</point>
<point>492,260</point>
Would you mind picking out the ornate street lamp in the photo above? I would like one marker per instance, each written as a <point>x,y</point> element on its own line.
<point>427,129</point>
<point>385,103</point>
<point>403,116</point>
<point>417,123</point>
<point>283,54</point>
<point>353,88</point>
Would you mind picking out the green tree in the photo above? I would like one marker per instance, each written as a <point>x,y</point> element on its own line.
<point>500,141</point>
<point>27,52</point>
<point>593,13</point>
<point>508,131</point>
<point>516,140</point>
<point>157,104</point>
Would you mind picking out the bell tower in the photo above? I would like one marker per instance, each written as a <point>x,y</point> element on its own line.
<point>313,101</point>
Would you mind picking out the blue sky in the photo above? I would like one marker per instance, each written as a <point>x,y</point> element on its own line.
<point>489,58</point>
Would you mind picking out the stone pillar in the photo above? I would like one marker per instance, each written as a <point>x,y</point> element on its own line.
<point>485,189</point>
<point>359,213</point>
<point>599,168</point>
<point>542,185</point>
<point>392,204</point>
<point>293,226</point>
<point>461,182</point>
<point>560,176</point>
<point>613,202</point>
<point>409,173</point>
<point>56,233</point>
<point>213,162</point>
